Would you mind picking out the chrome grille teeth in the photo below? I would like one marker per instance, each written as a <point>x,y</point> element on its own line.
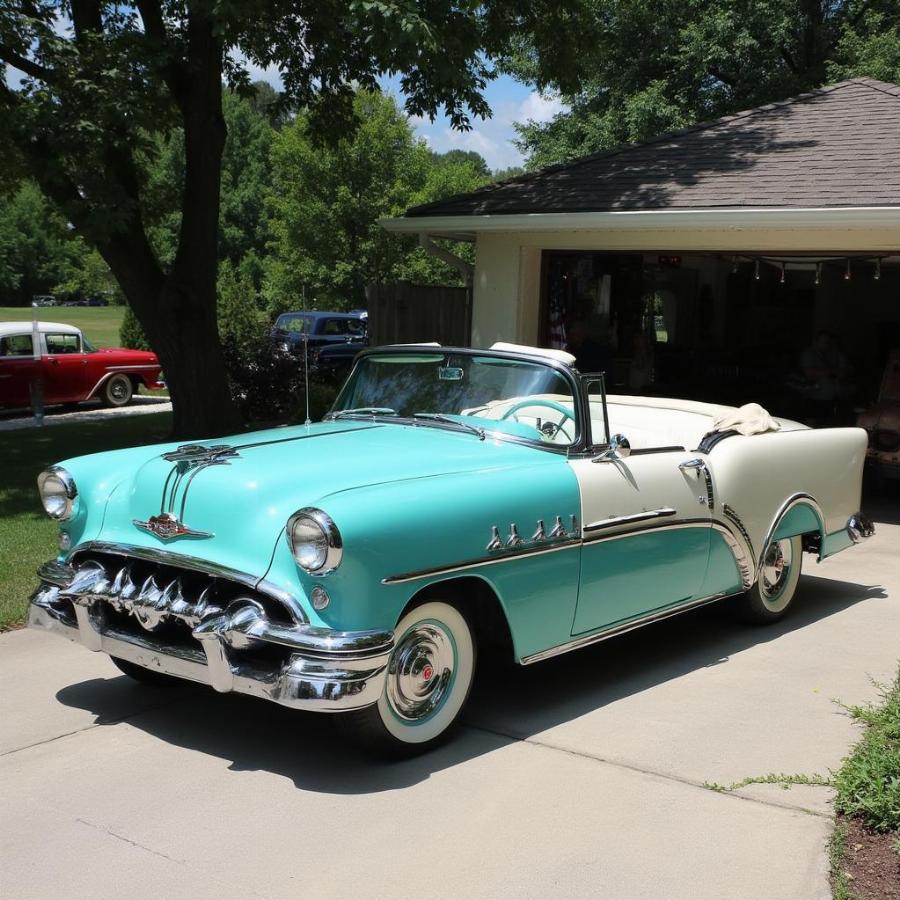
<point>149,606</point>
<point>89,581</point>
<point>173,598</point>
<point>122,591</point>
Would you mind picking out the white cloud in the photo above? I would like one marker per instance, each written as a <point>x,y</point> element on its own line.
<point>537,107</point>
<point>492,138</point>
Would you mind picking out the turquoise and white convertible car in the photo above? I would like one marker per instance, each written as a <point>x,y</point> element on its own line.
<point>453,501</point>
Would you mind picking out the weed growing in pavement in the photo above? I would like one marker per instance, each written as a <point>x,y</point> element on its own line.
<point>786,781</point>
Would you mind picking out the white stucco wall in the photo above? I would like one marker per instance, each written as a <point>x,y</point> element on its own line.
<point>495,291</point>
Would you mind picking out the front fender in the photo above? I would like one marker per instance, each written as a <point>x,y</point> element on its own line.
<point>437,523</point>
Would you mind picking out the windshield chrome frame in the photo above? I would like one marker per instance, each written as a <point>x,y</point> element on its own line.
<point>573,377</point>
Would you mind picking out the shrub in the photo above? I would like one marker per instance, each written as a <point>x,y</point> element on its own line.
<point>868,782</point>
<point>131,335</point>
<point>268,384</point>
<point>239,324</point>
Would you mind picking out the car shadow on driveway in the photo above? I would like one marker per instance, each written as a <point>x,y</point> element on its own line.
<point>255,735</point>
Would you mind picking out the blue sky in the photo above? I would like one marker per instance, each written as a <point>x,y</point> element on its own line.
<point>510,102</point>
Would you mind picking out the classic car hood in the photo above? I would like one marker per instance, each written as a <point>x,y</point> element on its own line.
<point>244,498</point>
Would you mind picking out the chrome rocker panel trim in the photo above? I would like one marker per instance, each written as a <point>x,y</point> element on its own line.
<point>326,671</point>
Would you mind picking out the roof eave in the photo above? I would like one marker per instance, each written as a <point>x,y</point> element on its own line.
<point>465,227</point>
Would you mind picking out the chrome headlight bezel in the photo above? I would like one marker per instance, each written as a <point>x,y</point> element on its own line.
<point>327,557</point>
<point>63,487</point>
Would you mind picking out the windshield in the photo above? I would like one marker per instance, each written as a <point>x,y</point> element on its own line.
<point>528,400</point>
<point>293,323</point>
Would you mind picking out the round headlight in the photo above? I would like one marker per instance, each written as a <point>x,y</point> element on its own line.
<point>314,540</point>
<point>58,492</point>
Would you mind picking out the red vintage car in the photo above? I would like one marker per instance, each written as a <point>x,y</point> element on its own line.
<point>71,369</point>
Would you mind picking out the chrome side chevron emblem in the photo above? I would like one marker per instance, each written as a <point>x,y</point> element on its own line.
<point>167,527</point>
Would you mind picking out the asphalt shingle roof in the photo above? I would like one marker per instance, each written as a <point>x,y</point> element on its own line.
<point>835,147</point>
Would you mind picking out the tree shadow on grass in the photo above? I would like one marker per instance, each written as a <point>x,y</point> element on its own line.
<point>254,735</point>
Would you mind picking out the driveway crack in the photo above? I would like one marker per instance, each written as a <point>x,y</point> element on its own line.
<point>653,773</point>
<point>92,726</point>
<point>120,837</point>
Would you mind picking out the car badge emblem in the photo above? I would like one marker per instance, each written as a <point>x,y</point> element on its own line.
<point>166,527</point>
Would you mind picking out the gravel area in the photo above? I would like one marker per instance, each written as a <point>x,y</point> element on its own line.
<point>88,412</point>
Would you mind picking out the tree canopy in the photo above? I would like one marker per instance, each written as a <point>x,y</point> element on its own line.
<point>326,203</point>
<point>661,65</point>
<point>103,81</point>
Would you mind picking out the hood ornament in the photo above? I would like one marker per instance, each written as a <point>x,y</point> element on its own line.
<point>166,527</point>
<point>196,454</point>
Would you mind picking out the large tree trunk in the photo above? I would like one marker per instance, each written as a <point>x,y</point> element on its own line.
<point>178,311</point>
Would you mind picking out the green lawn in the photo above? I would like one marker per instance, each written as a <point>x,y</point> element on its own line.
<point>100,324</point>
<point>27,536</point>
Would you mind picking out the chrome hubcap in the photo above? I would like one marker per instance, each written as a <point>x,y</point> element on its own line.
<point>420,672</point>
<point>118,389</point>
<point>776,568</point>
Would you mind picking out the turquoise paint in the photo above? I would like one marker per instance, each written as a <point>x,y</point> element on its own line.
<point>799,520</point>
<point>410,525</point>
<point>835,542</point>
<point>623,578</point>
<point>722,575</point>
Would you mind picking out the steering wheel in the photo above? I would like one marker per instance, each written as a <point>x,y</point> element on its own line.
<point>550,404</point>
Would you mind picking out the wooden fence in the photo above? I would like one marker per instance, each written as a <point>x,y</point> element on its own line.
<point>404,313</point>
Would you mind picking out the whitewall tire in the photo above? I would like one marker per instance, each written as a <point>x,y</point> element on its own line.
<point>772,595</point>
<point>118,390</point>
<point>429,677</point>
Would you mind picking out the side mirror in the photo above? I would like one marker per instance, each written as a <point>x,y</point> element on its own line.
<point>619,448</point>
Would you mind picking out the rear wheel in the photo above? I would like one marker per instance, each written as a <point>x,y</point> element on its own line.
<point>429,677</point>
<point>118,391</point>
<point>145,676</point>
<point>771,597</point>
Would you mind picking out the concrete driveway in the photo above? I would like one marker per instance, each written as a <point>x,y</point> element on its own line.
<point>580,777</point>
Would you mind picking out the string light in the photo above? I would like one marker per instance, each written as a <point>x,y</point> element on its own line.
<point>818,272</point>
<point>781,280</point>
<point>877,269</point>
<point>847,270</point>
<point>734,265</point>
<point>756,270</point>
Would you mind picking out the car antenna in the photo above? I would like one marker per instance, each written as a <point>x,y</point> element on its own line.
<point>306,376</point>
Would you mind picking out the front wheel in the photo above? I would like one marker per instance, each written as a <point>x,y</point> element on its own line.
<point>429,676</point>
<point>770,598</point>
<point>118,391</point>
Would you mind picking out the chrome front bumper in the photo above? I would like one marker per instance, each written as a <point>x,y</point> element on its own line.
<point>232,649</point>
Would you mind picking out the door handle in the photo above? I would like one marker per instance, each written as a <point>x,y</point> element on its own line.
<point>694,465</point>
<point>52,361</point>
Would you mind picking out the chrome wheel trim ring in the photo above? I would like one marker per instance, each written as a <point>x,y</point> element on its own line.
<point>776,574</point>
<point>118,389</point>
<point>421,672</point>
